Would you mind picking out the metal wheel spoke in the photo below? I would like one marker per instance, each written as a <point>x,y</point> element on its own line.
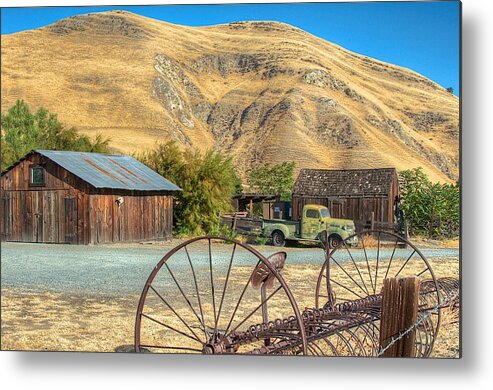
<point>368,266</point>
<point>256,309</point>
<point>391,258</point>
<point>422,272</point>
<point>376,270</point>
<point>212,288</point>
<point>174,311</point>
<point>225,286</point>
<point>197,290</point>
<point>357,268</point>
<point>346,288</point>
<point>405,263</point>
<point>239,299</point>
<point>169,347</point>
<point>350,277</point>
<point>171,328</point>
<point>183,294</point>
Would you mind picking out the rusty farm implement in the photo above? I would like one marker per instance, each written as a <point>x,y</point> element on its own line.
<point>216,295</point>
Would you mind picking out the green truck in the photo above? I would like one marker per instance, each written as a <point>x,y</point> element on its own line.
<point>315,221</point>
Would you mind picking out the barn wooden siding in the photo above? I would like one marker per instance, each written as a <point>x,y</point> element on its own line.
<point>68,210</point>
<point>364,195</point>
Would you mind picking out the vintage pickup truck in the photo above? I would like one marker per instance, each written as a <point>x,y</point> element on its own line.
<point>315,221</point>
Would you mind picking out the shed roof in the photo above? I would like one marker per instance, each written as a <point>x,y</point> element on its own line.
<point>109,171</point>
<point>345,182</point>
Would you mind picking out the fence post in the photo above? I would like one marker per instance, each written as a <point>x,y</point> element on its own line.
<point>399,312</point>
<point>233,226</point>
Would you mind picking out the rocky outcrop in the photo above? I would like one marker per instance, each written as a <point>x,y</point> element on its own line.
<point>323,79</point>
<point>103,24</point>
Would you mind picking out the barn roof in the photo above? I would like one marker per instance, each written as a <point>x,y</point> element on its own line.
<point>346,182</point>
<point>110,171</point>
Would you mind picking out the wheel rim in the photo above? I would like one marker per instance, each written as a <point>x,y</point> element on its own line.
<point>334,242</point>
<point>278,239</point>
<point>199,299</point>
<point>350,274</point>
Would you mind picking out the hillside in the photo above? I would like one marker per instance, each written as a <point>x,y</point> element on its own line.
<point>259,91</point>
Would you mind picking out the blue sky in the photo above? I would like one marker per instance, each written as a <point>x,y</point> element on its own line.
<point>422,36</point>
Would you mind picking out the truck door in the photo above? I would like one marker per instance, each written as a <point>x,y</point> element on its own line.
<point>310,223</point>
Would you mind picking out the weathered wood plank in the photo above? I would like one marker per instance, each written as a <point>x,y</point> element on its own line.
<point>400,299</point>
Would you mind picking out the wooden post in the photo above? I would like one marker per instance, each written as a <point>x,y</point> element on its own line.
<point>233,228</point>
<point>399,313</point>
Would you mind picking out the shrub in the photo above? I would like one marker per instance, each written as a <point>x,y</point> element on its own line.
<point>273,179</point>
<point>23,131</point>
<point>261,240</point>
<point>208,181</point>
<point>432,209</point>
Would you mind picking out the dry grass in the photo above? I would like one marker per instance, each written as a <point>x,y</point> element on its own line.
<point>368,241</point>
<point>71,322</point>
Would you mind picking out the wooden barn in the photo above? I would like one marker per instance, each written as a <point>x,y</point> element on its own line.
<point>84,198</point>
<point>367,196</point>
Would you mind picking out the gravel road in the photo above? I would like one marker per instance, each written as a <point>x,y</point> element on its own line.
<point>124,269</point>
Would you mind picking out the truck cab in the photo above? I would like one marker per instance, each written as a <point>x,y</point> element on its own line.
<point>315,223</point>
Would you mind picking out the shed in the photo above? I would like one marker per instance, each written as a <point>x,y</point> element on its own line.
<point>364,195</point>
<point>84,198</point>
<point>244,202</point>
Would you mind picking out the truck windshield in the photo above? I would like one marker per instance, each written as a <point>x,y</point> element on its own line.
<point>325,213</point>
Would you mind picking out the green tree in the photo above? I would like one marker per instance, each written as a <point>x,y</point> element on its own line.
<point>450,89</point>
<point>208,181</point>
<point>23,131</point>
<point>432,209</point>
<point>273,179</point>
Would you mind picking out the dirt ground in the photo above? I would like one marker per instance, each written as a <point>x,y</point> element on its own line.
<point>76,322</point>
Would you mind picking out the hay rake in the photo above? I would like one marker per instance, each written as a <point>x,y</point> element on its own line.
<point>216,295</point>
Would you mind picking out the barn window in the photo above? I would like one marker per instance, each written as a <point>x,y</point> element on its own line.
<point>37,176</point>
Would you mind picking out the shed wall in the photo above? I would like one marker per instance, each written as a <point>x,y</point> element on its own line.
<point>359,209</point>
<point>68,210</point>
<point>142,217</point>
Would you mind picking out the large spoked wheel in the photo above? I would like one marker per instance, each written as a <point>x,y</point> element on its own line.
<point>355,273</point>
<point>215,295</point>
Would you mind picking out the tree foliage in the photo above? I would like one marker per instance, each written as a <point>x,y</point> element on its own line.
<point>273,179</point>
<point>432,209</point>
<point>23,131</point>
<point>208,182</point>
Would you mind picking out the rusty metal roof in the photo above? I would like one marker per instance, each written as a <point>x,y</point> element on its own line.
<point>110,171</point>
<point>344,182</point>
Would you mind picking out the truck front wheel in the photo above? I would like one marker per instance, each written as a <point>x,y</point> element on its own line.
<point>334,241</point>
<point>278,238</point>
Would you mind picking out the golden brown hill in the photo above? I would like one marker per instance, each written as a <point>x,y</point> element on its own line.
<point>260,91</point>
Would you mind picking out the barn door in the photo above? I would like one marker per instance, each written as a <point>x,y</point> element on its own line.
<point>70,205</point>
<point>7,216</point>
<point>336,210</point>
<point>38,227</point>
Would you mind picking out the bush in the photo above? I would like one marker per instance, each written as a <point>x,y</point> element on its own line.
<point>208,181</point>
<point>23,131</point>
<point>261,240</point>
<point>432,209</point>
<point>273,179</point>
